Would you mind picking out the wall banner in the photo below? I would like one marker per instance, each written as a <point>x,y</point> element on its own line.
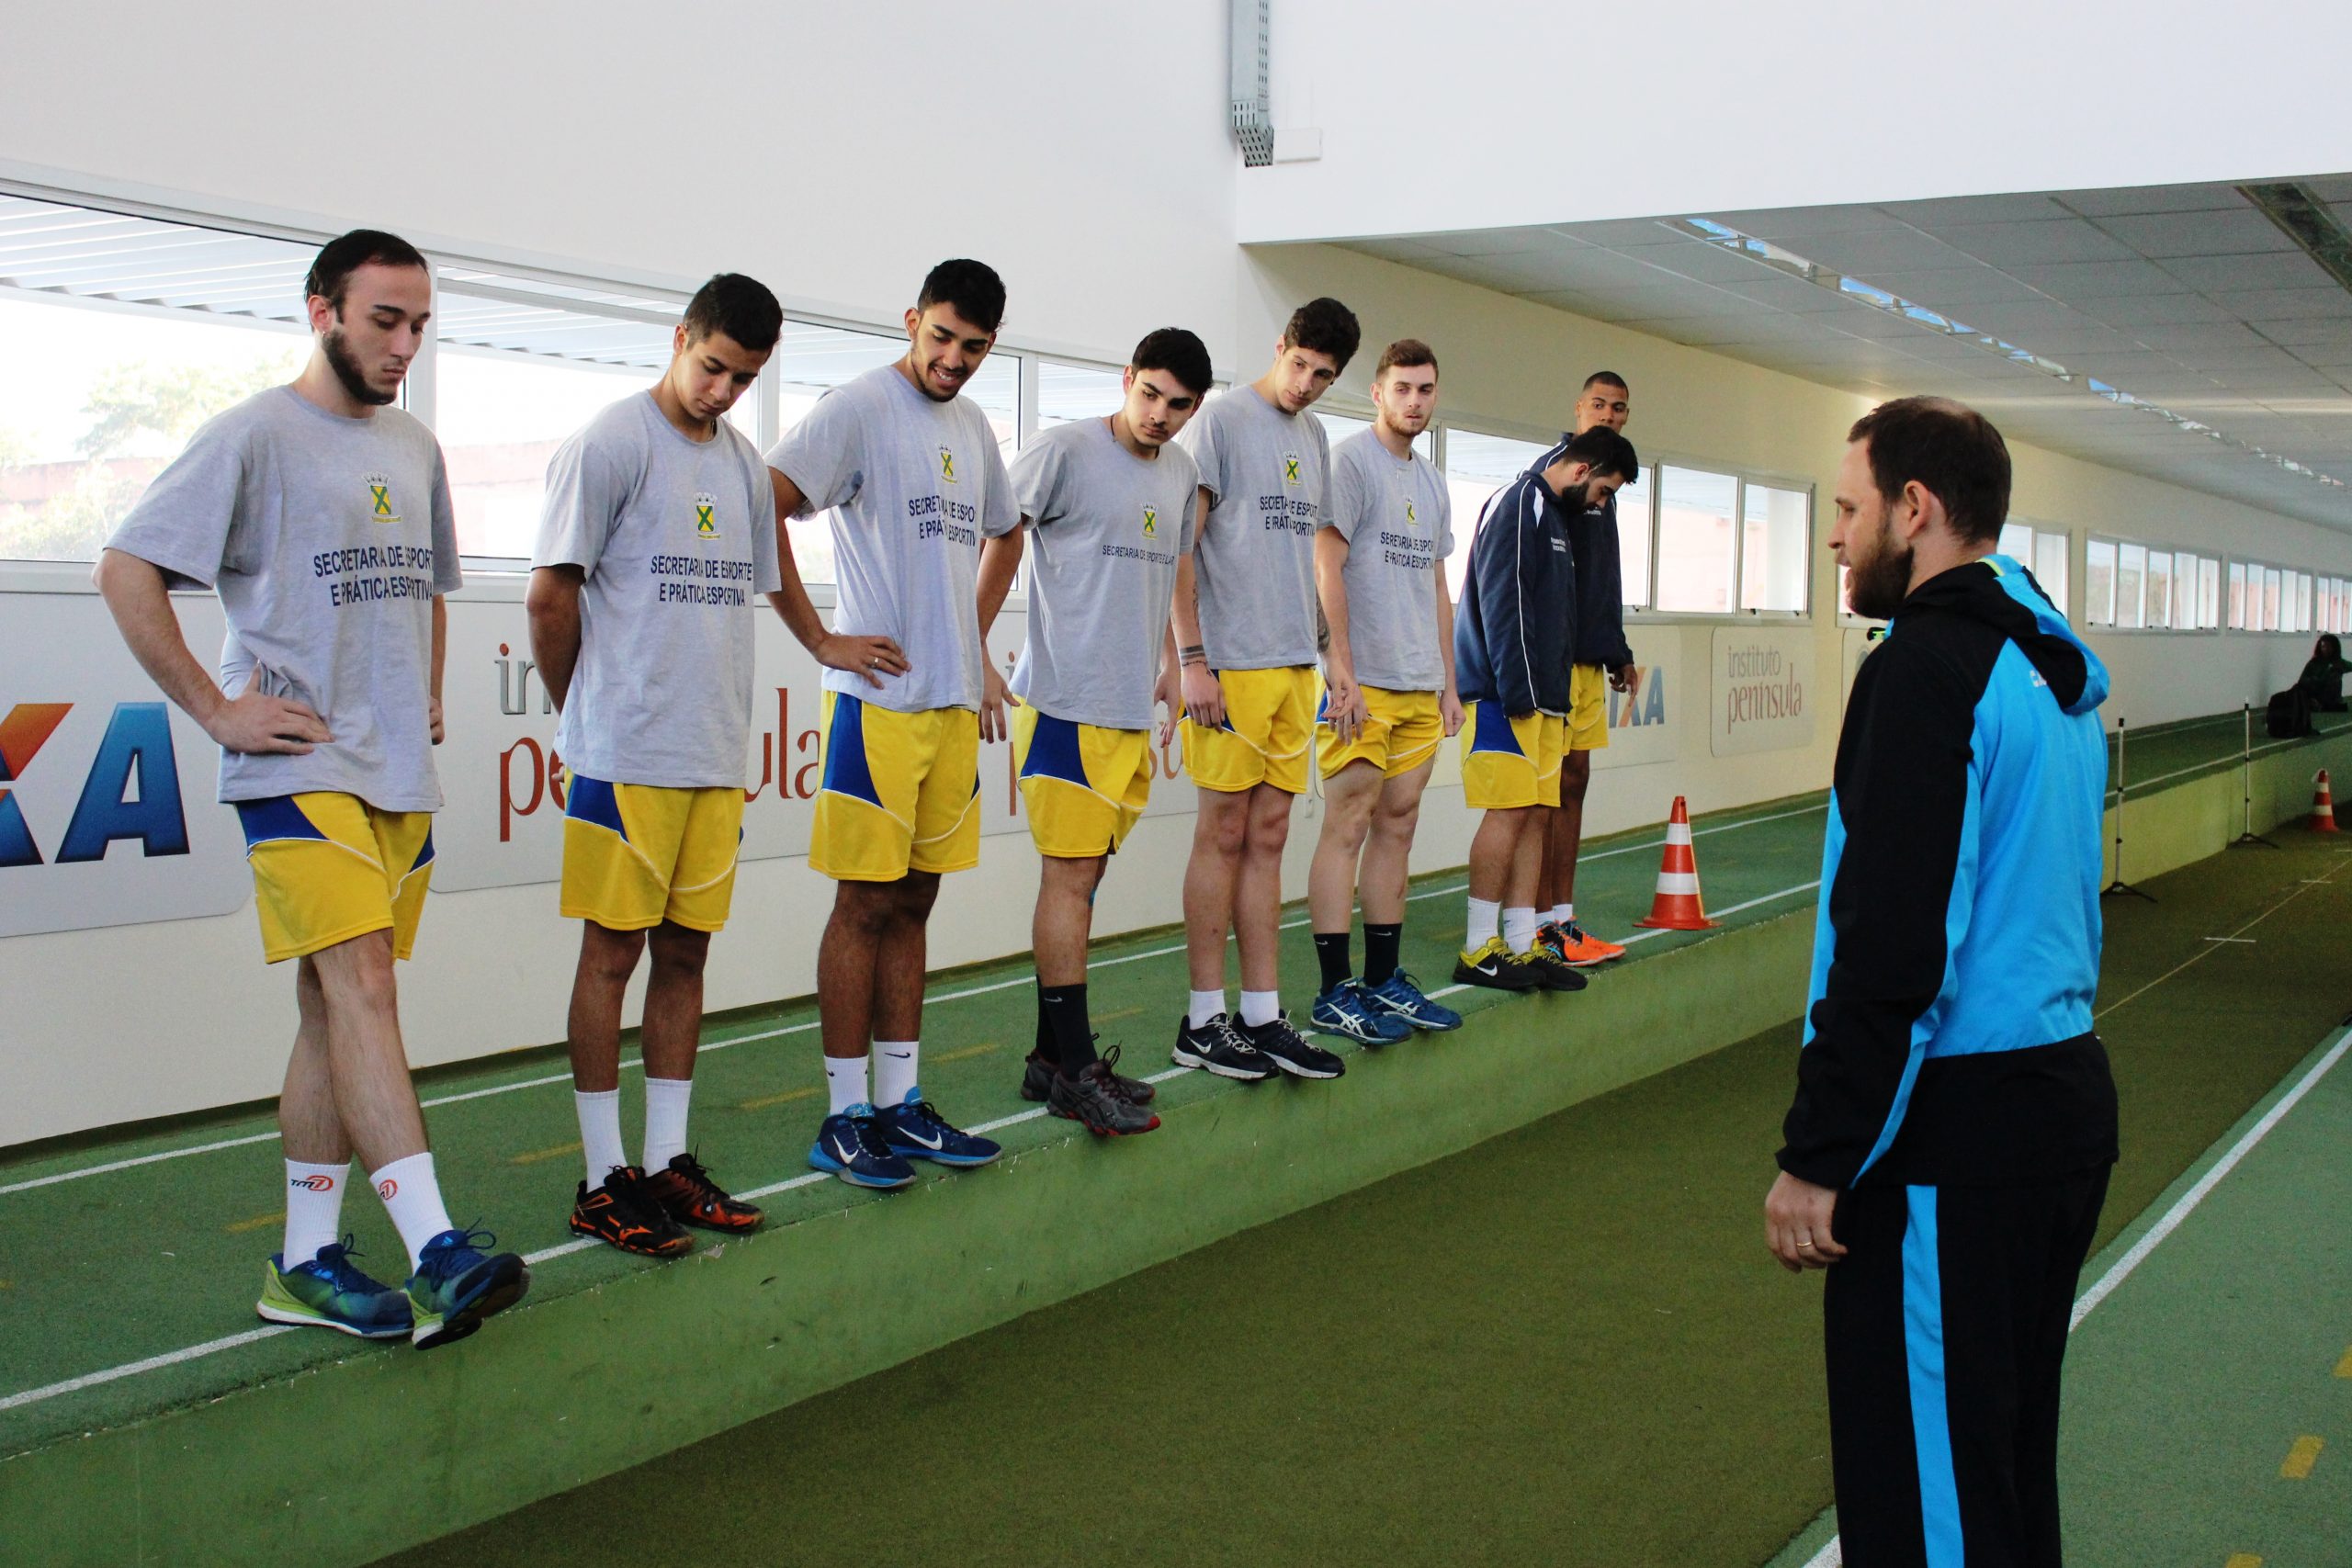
<point>1763,691</point>
<point>1644,723</point>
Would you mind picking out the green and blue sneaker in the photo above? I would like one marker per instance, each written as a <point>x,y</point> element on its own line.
<point>457,1284</point>
<point>329,1291</point>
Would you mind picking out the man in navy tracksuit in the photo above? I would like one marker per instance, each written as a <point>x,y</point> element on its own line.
<point>1954,1122</point>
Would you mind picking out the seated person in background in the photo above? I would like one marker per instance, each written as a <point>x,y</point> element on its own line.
<point>2323,678</point>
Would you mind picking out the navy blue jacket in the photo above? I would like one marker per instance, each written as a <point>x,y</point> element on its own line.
<point>1515,628</point>
<point>1948,1032</point>
<point>1599,637</point>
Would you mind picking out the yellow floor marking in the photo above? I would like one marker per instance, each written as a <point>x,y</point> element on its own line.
<point>2300,1459</point>
<point>2206,951</point>
<point>1122,1012</point>
<point>786,1098</point>
<point>2344,1367</point>
<point>968,1052</point>
<point>2243,1560</point>
<point>8,1284</point>
<point>259,1221</point>
<point>538,1155</point>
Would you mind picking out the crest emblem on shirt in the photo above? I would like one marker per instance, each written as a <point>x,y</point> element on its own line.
<point>1150,521</point>
<point>1290,469</point>
<point>707,516</point>
<point>380,497</point>
<point>1411,518</point>
<point>947,465</point>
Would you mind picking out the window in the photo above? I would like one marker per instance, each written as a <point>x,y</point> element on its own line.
<point>1695,546</point>
<point>2158,614</point>
<point>2269,599</point>
<point>121,336</point>
<point>1477,465</point>
<point>2042,552</point>
<point>1634,521</point>
<point>1775,548</point>
<point>2237,596</point>
<point>2130,581</point>
<point>1068,392</point>
<point>2209,593</point>
<point>2099,582</point>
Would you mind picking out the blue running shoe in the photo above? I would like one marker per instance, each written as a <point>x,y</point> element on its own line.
<point>915,1130</point>
<point>1399,996</point>
<point>1346,1008</point>
<point>457,1284</point>
<point>850,1145</point>
<point>329,1291</point>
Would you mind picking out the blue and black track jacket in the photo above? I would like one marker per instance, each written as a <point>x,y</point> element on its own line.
<point>1948,1033</point>
<point>1600,578</point>
<point>1516,629</point>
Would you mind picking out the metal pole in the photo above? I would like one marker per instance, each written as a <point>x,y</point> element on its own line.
<point>2122,792</point>
<point>2246,786</point>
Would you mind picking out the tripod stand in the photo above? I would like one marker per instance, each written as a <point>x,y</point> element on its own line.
<point>2122,793</point>
<point>2245,766</point>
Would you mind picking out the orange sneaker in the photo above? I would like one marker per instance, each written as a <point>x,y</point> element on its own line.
<point>1581,949</point>
<point>690,1197</point>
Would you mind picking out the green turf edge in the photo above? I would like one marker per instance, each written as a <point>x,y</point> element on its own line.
<point>583,1384</point>
<point>1817,1534</point>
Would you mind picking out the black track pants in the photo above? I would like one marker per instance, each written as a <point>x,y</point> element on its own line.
<point>1945,1326</point>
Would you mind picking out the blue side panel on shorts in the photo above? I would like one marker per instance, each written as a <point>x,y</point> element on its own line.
<point>1493,732</point>
<point>846,772</point>
<point>423,853</point>
<point>1923,1354</point>
<point>276,818</point>
<point>1322,704</point>
<point>597,803</point>
<point>1053,751</point>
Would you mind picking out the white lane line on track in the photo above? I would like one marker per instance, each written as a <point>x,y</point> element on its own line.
<point>723,1044</point>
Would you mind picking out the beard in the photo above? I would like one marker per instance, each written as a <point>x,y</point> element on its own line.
<point>346,365</point>
<point>1876,588</point>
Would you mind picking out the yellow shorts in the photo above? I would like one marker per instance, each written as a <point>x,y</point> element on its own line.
<point>634,855</point>
<point>1082,786</point>
<point>1269,725</point>
<point>1510,763</point>
<point>1588,707</point>
<point>1401,731</point>
<point>900,792</point>
<point>328,867</point>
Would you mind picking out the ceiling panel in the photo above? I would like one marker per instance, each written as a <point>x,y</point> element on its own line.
<point>2217,275</point>
<point>2239,231</point>
<point>2059,240</point>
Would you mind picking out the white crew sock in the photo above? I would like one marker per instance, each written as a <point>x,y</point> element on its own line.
<point>600,1131</point>
<point>1484,913</point>
<point>845,1081</point>
<point>1519,927</point>
<point>1259,1008</point>
<point>412,1198</point>
<point>313,1208</point>
<point>1204,1006</point>
<point>894,1071</point>
<point>1562,913</point>
<point>665,1120</point>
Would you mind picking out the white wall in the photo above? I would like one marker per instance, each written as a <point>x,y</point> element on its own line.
<point>1564,113</point>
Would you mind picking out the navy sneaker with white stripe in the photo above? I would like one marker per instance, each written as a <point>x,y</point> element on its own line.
<point>851,1146</point>
<point>1399,996</point>
<point>1346,1008</point>
<point>915,1130</point>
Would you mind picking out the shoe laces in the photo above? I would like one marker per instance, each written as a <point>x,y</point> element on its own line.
<point>867,1131</point>
<point>1573,931</point>
<point>1281,1028</point>
<point>445,1256</point>
<point>1398,980</point>
<point>1229,1034</point>
<point>690,1170</point>
<point>334,1260</point>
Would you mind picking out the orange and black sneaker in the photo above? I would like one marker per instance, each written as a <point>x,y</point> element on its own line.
<point>623,1212</point>
<point>1582,949</point>
<point>686,1194</point>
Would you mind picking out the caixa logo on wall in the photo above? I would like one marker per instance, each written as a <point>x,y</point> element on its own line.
<point>130,789</point>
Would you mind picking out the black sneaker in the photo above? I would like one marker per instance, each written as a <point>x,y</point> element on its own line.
<point>1217,1047</point>
<point>1037,1079</point>
<point>1092,1098</point>
<point>1558,973</point>
<point>1290,1051</point>
<point>622,1211</point>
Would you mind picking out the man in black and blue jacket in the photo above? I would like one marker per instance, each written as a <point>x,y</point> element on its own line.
<point>1514,638</point>
<point>1954,1122</point>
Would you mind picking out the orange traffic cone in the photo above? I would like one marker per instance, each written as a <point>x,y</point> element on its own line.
<point>1676,907</point>
<point>2322,807</point>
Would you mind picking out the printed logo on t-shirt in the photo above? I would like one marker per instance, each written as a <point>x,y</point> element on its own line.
<point>706,514</point>
<point>1411,518</point>
<point>1290,469</point>
<point>380,497</point>
<point>1150,521</point>
<point>947,465</point>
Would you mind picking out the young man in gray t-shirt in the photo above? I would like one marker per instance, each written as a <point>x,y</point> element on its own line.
<point>1109,503</point>
<point>658,535</point>
<point>1389,699</point>
<point>321,514</point>
<point>1245,634</point>
<point>910,473</point>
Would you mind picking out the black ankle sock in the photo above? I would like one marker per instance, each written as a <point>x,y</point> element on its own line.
<point>1044,1050</point>
<point>1380,944</point>
<point>1061,1013</point>
<point>1331,953</point>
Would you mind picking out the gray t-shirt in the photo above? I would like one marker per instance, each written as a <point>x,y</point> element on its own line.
<point>1264,470</point>
<point>912,485</point>
<point>1107,528</point>
<point>677,540</point>
<point>1398,522</point>
<point>327,540</point>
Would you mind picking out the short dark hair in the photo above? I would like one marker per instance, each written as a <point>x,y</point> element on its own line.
<point>1325,326</point>
<point>740,307</point>
<point>1604,379</point>
<point>331,269</point>
<point>1179,353</point>
<point>1407,351</point>
<point>1604,451</point>
<point>1951,450</point>
<point>972,289</point>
